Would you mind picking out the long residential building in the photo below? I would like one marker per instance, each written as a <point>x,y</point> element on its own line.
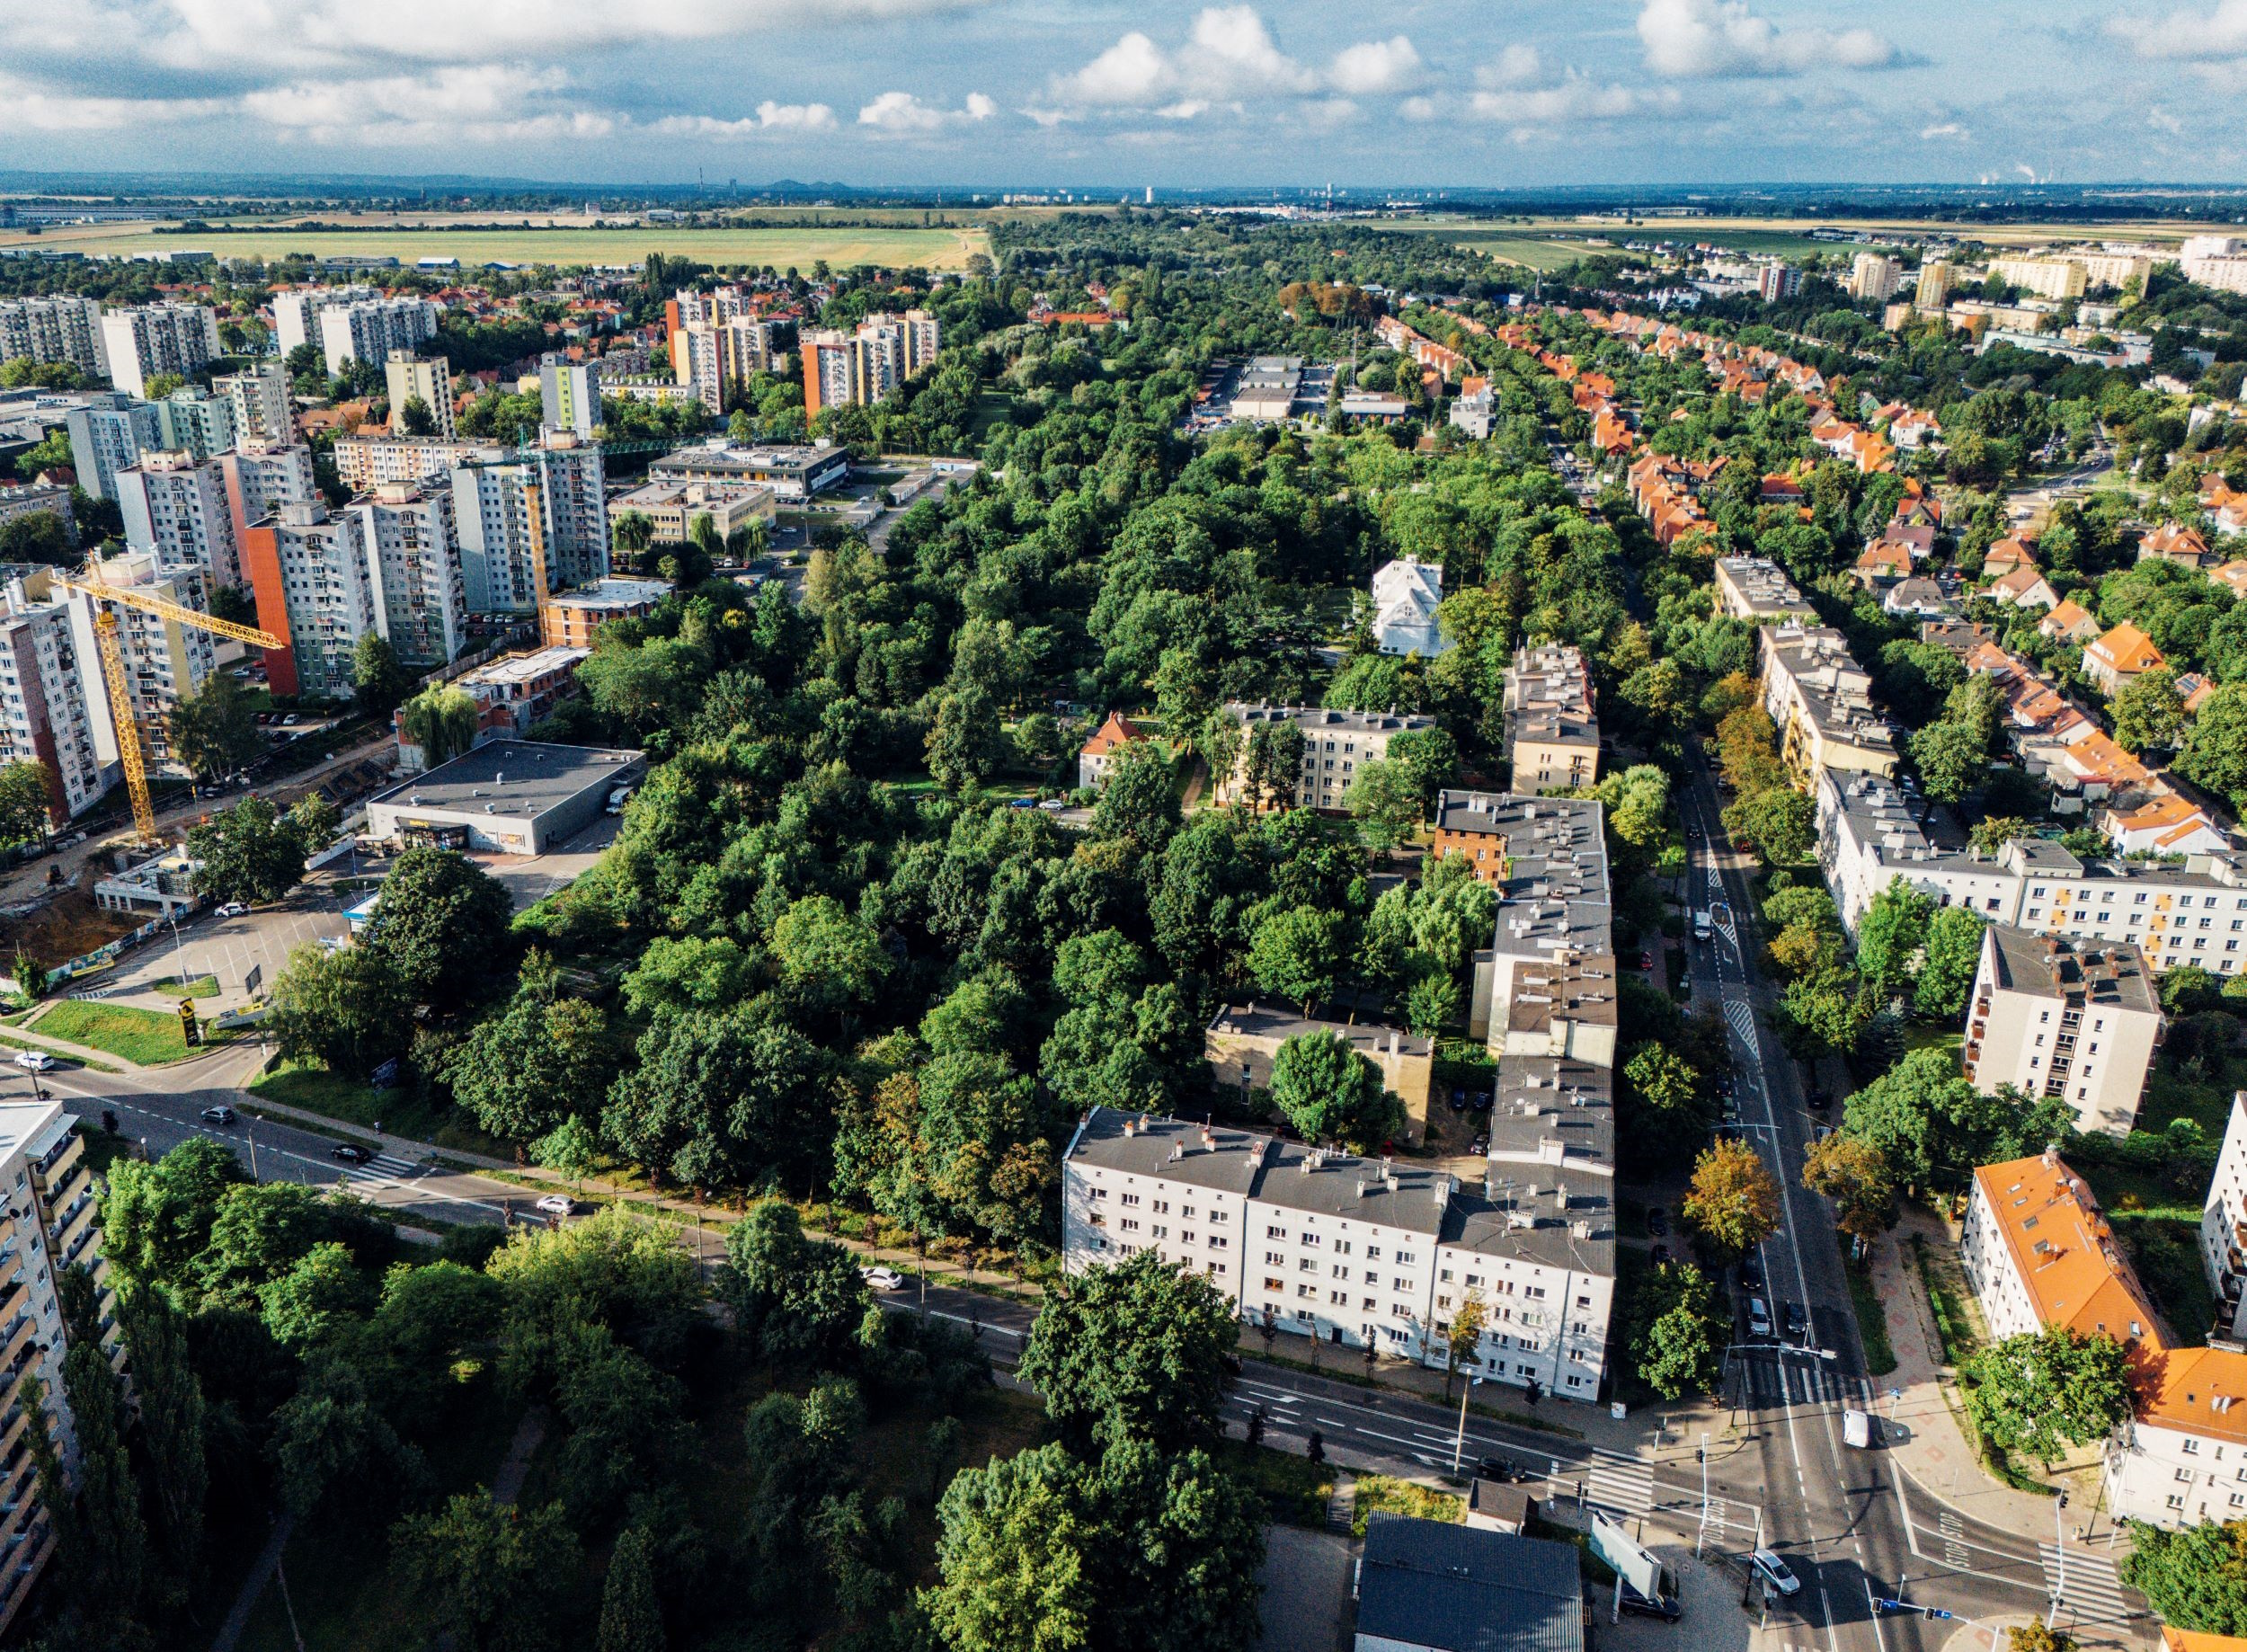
<point>58,328</point>
<point>1551,730</point>
<point>50,709</point>
<point>1547,858</point>
<point>1335,743</point>
<point>164,659</point>
<point>1758,590</point>
<point>149,339</point>
<point>109,432</point>
<point>259,398</point>
<point>1821,700</point>
<point>365,461</point>
<point>532,523</point>
<point>369,329</point>
<point>175,508</point>
<point>796,472</point>
<point>1371,1253</point>
<point>859,369</point>
<point>2188,911</point>
<point>421,597</point>
<point>2061,1019</point>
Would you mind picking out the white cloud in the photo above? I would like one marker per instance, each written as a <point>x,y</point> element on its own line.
<point>1419,109</point>
<point>1574,99</point>
<point>2190,34</point>
<point>1232,49</point>
<point>223,34</point>
<point>39,110</point>
<point>1948,128</point>
<point>901,111</point>
<point>1516,66</point>
<point>1723,36</point>
<point>770,116</point>
<point>1377,66</point>
<point>488,103</point>
<point>2161,121</point>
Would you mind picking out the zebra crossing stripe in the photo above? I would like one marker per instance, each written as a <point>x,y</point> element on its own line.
<point>2089,1590</point>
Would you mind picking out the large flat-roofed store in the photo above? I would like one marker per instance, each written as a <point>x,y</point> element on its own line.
<point>509,797</point>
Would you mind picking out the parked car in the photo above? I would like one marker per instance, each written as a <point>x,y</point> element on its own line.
<point>1773,1571</point>
<point>1499,1469</point>
<point>882,1278</point>
<point>1458,1100</point>
<point>349,1152</point>
<point>1798,1324</point>
<point>1480,1145</point>
<point>233,909</point>
<point>1659,1255</point>
<point>1751,1275</point>
<point>36,1061</point>
<point>1657,1220</point>
<point>1664,1606</point>
<point>557,1205</point>
<point>221,1114</point>
<point>1758,1318</point>
<point>1646,961</point>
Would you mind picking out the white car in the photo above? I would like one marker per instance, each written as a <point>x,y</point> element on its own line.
<point>233,909</point>
<point>557,1205</point>
<point>38,1060</point>
<point>1773,1571</point>
<point>882,1278</point>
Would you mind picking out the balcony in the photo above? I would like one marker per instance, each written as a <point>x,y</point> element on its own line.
<point>52,1164</point>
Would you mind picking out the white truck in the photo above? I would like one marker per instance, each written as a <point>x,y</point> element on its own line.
<point>618,798</point>
<point>1700,923</point>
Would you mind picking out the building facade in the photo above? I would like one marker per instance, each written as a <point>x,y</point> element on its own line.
<point>1551,731</point>
<point>310,572</point>
<point>109,433</point>
<point>427,379</point>
<point>175,508</point>
<point>2224,1223</point>
<point>48,710</point>
<point>60,328</point>
<point>1335,743</point>
<point>259,398</point>
<point>421,606</point>
<point>569,394</point>
<point>531,523</point>
<point>1821,700</point>
<point>369,329</point>
<point>150,339</point>
<point>2059,1019</point>
<point>1406,595</point>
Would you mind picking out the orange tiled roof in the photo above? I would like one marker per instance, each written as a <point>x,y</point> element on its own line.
<point>2070,616</point>
<point>2173,540</point>
<point>2233,573</point>
<point>2008,552</point>
<point>2064,1253</point>
<point>2128,650</point>
<point>1118,731</point>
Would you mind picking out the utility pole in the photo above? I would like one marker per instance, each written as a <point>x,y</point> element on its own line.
<point>1703,1532</point>
<point>2059,1569</point>
<point>1458,1445</point>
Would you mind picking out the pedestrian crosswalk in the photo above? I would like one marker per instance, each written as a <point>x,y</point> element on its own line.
<point>1621,1484</point>
<point>383,1168</point>
<point>2086,1584</point>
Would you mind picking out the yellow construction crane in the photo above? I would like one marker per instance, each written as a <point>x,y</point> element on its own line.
<point>112,652</point>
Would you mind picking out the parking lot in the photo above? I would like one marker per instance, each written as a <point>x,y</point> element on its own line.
<point>228,948</point>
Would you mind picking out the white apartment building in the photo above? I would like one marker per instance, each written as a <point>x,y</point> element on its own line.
<point>701,355</point>
<point>61,328</point>
<point>163,660</point>
<point>546,508</point>
<point>421,604</point>
<point>296,312</point>
<point>1874,277</point>
<point>1551,731</point>
<point>150,339</point>
<point>428,379</point>
<point>2058,1018</point>
<point>109,431</point>
<point>569,394</point>
<point>2223,1222</point>
<point>1357,1253</point>
<point>175,508</point>
<point>1821,700</point>
<point>1334,743</point>
<point>194,419</point>
<point>261,476</point>
<point>50,705</point>
<point>328,594</point>
<point>259,399</point>
<point>2215,261</point>
<point>369,329</point>
<point>364,462</point>
<point>1406,596</point>
<point>2046,277</point>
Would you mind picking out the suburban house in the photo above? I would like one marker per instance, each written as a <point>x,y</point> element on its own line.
<point>2022,587</point>
<point>2069,621</point>
<point>2174,542</point>
<point>1405,596</point>
<point>2121,655</point>
<point>1099,754</point>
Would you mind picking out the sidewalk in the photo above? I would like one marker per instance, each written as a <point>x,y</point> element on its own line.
<point>1922,1435</point>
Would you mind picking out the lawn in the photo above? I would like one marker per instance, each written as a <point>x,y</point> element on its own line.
<point>193,986</point>
<point>1873,1322</point>
<point>1296,1489</point>
<point>800,247</point>
<point>399,1112</point>
<point>147,1037</point>
<point>1381,1494</point>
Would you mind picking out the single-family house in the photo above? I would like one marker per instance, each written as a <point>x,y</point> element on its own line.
<point>2022,587</point>
<point>2070,621</point>
<point>1097,755</point>
<point>2174,542</point>
<point>2166,825</point>
<point>2121,655</point>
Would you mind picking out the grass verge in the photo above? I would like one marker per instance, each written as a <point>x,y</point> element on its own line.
<point>191,986</point>
<point>1951,1324</point>
<point>1382,1493</point>
<point>1295,1489</point>
<point>146,1037</point>
<point>1873,1322</point>
<point>397,1112</point>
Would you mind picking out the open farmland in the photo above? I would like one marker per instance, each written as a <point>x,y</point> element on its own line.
<point>1548,243</point>
<point>801,246</point>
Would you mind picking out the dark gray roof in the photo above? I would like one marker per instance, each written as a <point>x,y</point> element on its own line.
<point>524,777</point>
<point>2103,972</point>
<point>1327,719</point>
<point>1461,1589</point>
<point>1553,1111</point>
<point>1148,1144</point>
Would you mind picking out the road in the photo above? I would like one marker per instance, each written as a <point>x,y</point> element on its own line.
<point>1850,1521</point>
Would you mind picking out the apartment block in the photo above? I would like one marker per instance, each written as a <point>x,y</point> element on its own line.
<point>1357,1253</point>
<point>176,508</point>
<point>109,432</point>
<point>1556,907</point>
<point>1335,743</point>
<point>296,313</point>
<point>569,394</point>
<point>364,462</point>
<point>1821,700</point>
<point>575,618</point>
<point>1936,277</point>
<point>1758,590</point>
<point>2046,277</point>
<point>1873,278</point>
<point>263,476</point>
<point>859,369</point>
<point>61,328</point>
<point>427,379</point>
<point>310,572</point>
<point>1243,1039</point>
<point>414,555</point>
<point>150,339</point>
<point>47,712</point>
<point>369,329</point>
<point>259,399</point>
<point>1551,731</point>
<point>163,660</point>
<point>2062,1019</point>
<point>2223,1225</point>
<point>194,420</point>
<point>1777,282</point>
<point>532,523</point>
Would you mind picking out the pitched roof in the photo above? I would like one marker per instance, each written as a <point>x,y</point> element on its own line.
<point>2175,1639</point>
<point>1118,731</point>
<point>2127,650</point>
<point>2067,618</point>
<point>1423,1583</point>
<point>2064,1253</point>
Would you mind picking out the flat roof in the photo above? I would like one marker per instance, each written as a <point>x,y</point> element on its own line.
<point>1456,1588</point>
<point>527,667</point>
<point>1554,1111</point>
<point>1557,894</point>
<point>2109,973</point>
<point>529,778</point>
<point>32,1127</point>
<point>1279,1024</point>
<point>612,591</point>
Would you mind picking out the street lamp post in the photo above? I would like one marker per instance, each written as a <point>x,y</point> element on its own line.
<point>2059,1565</point>
<point>1703,1532</point>
<point>1458,1445</point>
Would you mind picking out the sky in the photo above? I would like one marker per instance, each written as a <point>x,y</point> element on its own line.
<point>1105,93</point>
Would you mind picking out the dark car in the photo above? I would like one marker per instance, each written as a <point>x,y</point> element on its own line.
<point>1750,1275</point>
<point>1659,1255</point>
<point>218,1115</point>
<point>1664,1606</point>
<point>1657,1220</point>
<point>1819,1101</point>
<point>350,1152</point>
<point>1498,1468</point>
<point>1481,1145</point>
<point>1459,1100</point>
<point>1797,1323</point>
<point>1646,961</point>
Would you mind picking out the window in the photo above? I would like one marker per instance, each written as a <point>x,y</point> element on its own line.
<point>1276,1286</point>
<point>1277,1233</point>
<point>1187,1212</point>
<point>2191,1446</point>
<point>1274,1258</point>
<point>1217,1241</point>
<point>1129,1225</point>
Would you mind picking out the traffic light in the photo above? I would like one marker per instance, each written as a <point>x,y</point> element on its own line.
<point>190,1029</point>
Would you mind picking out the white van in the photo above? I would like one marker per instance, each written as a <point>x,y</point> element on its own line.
<point>618,798</point>
<point>1856,1428</point>
<point>1700,923</point>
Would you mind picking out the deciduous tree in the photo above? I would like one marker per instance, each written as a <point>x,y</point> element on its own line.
<point>1855,1176</point>
<point>1132,1351</point>
<point>1331,1093</point>
<point>1678,1344</point>
<point>1734,1202</point>
<point>443,922</point>
<point>2040,1391</point>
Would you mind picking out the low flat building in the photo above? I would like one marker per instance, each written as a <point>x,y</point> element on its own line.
<point>2062,1019</point>
<point>1335,743</point>
<point>1551,730</point>
<point>670,508</point>
<point>1425,1586</point>
<point>1243,1039</point>
<point>1757,589</point>
<point>163,885</point>
<point>1357,1252</point>
<point>574,619</point>
<point>793,472</point>
<point>1821,700</point>
<point>1267,389</point>
<point>509,797</point>
<point>2223,1225</point>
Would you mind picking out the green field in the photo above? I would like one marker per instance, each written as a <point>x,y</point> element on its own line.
<point>147,1037</point>
<point>802,247</point>
<point>1538,251</point>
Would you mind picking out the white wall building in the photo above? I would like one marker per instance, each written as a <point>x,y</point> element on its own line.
<point>369,329</point>
<point>109,431</point>
<point>421,605</point>
<point>259,399</point>
<point>2223,1222</point>
<point>1406,596</point>
<point>59,328</point>
<point>150,339</point>
<point>163,660</point>
<point>47,713</point>
<point>427,379</point>
<point>263,476</point>
<point>329,593</point>
<point>2062,1019</point>
<point>175,508</point>
<point>569,394</point>
<point>546,507</point>
<point>1335,743</point>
